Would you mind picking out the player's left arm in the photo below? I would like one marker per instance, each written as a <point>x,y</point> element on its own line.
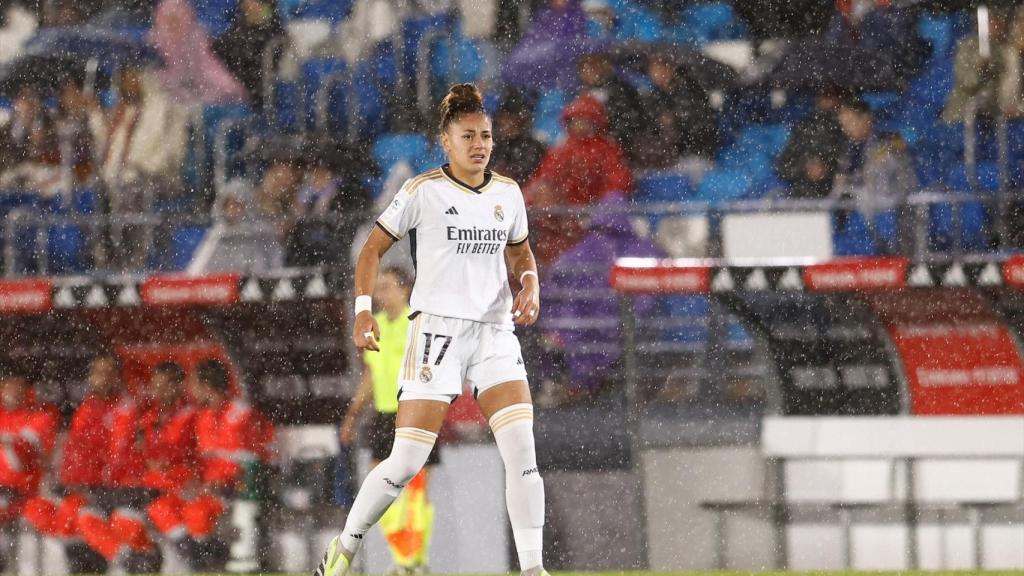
<point>526,306</point>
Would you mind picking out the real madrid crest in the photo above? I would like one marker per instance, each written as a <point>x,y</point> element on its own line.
<point>425,374</point>
<point>499,214</point>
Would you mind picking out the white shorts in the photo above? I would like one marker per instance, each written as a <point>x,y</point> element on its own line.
<point>442,354</point>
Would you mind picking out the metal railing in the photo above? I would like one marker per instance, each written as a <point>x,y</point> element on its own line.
<point>916,214</point>
<point>108,242</point>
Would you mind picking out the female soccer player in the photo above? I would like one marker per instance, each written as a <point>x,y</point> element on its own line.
<point>463,222</point>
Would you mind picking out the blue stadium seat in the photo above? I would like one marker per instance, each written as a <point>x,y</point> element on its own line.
<point>333,11</point>
<point>389,149</point>
<point>286,103</point>
<point>708,22</point>
<point>184,242</point>
<point>662,187</point>
<point>635,22</point>
<point>547,117</point>
<point>315,72</point>
<point>724,184</point>
<point>687,316</point>
<point>213,116</point>
<point>853,236</point>
<point>216,15</point>
<point>987,174</point>
<point>67,249</point>
<point>975,227</point>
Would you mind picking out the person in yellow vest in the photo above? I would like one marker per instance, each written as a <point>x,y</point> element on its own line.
<point>408,522</point>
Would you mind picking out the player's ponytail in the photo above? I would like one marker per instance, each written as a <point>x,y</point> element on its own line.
<point>461,99</point>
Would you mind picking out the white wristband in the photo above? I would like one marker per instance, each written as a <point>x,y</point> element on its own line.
<point>363,304</point>
<point>527,273</point>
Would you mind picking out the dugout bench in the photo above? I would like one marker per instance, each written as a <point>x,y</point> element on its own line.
<point>905,469</point>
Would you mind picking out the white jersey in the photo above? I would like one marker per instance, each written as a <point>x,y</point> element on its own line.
<point>458,236</point>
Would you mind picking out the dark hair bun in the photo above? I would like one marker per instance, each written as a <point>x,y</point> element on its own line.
<point>461,99</point>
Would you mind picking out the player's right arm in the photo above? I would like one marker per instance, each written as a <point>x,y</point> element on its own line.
<point>400,216</point>
<point>365,331</point>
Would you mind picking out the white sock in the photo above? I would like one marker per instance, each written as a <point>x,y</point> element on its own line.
<point>385,482</point>
<point>524,489</point>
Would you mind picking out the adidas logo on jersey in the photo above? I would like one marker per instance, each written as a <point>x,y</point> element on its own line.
<point>452,211</point>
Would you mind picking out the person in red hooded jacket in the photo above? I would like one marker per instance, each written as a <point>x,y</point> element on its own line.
<point>85,467</point>
<point>585,168</point>
<point>28,429</point>
<point>231,436</point>
<point>152,451</point>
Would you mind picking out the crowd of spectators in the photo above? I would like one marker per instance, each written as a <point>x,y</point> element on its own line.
<point>161,462</point>
<point>590,98</point>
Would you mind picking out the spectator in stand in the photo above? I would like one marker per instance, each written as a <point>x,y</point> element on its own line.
<point>685,126</point>
<point>588,166</point>
<point>233,439</point>
<point>25,118</point>
<point>994,79</point>
<point>544,55</point>
<point>627,122</point>
<point>237,241</point>
<point>84,470</point>
<point>142,140</point>
<point>152,451</point>
<point>17,24</point>
<point>876,171</point>
<point>278,190</point>
<point>243,46</point>
<point>28,430</point>
<point>516,152</point>
<point>885,39</point>
<point>191,73</point>
<point>40,169</point>
<point>328,205</point>
<point>577,281</point>
<point>808,162</point>
<point>76,112</point>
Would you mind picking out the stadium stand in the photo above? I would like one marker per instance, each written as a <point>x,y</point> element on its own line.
<point>93,232</point>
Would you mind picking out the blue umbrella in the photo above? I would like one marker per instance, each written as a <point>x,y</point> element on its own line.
<point>84,42</point>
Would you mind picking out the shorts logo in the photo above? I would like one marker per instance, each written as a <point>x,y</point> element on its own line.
<point>530,471</point>
<point>425,374</point>
<point>499,214</point>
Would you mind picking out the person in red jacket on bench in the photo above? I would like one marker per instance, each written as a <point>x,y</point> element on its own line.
<point>232,438</point>
<point>28,429</point>
<point>85,469</point>
<point>152,451</point>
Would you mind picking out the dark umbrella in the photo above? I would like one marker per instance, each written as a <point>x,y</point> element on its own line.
<point>108,47</point>
<point>42,74</point>
<point>710,74</point>
<point>813,63</point>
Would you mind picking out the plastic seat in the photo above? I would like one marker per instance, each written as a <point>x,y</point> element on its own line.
<point>333,11</point>
<point>315,72</point>
<point>547,118</point>
<point>389,149</point>
<point>852,235</point>
<point>215,15</point>
<point>975,227</point>
<point>987,175</point>
<point>662,187</point>
<point>66,249</point>
<point>687,314</point>
<point>287,102</point>
<point>184,242</point>
<point>724,184</point>
<point>709,22</point>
